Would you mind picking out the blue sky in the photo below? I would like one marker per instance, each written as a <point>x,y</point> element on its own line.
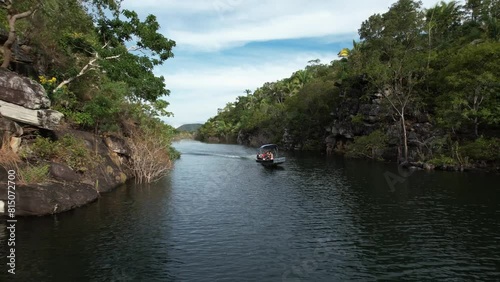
<point>227,46</point>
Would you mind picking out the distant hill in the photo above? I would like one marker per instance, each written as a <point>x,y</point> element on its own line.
<point>192,127</point>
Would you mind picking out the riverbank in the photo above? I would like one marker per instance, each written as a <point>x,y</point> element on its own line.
<point>331,148</point>
<point>51,163</point>
<point>63,188</point>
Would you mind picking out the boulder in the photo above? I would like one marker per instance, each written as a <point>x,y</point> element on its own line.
<point>15,143</point>
<point>63,172</point>
<point>108,174</point>
<point>428,166</point>
<point>7,125</point>
<point>22,91</point>
<point>50,198</point>
<point>117,145</point>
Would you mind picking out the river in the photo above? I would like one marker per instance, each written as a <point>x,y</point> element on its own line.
<point>220,216</point>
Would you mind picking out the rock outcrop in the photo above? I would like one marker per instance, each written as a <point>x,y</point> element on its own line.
<point>22,91</point>
<point>25,101</point>
<point>67,189</point>
<point>25,107</point>
<point>50,198</point>
<point>255,139</point>
<point>108,171</point>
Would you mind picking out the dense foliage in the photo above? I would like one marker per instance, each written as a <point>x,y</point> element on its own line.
<point>442,62</point>
<point>95,61</point>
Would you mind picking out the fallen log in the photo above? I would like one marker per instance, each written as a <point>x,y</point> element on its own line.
<point>43,118</point>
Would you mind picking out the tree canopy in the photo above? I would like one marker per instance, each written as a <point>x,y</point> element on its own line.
<point>441,62</point>
<point>96,59</point>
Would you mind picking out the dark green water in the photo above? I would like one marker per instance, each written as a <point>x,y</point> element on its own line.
<point>219,216</point>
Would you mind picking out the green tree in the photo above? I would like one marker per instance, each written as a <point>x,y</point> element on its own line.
<point>106,105</point>
<point>125,64</point>
<point>301,77</point>
<point>393,51</point>
<point>472,87</point>
<point>443,22</point>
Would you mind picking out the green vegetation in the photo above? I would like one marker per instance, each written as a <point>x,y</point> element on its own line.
<point>442,63</point>
<point>482,149</point>
<point>370,146</point>
<point>30,174</point>
<point>443,161</point>
<point>68,150</point>
<point>95,60</point>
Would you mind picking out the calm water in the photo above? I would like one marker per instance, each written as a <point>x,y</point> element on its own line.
<point>219,216</point>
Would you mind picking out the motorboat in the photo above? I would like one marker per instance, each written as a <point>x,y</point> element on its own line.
<point>268,155</point>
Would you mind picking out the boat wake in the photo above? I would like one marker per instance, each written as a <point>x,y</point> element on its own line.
<point>219,155</point>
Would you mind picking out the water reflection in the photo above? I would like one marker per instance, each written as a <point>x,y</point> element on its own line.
<point>221,216</point>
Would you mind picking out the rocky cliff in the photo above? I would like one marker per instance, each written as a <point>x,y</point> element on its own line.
<point>24,113</point>
<point>359,115</point>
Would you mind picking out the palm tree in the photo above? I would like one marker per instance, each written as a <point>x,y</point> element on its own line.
<point>291,87</point>
<point>301,77</point>
<point>441,20</point>
<point>250,102</point>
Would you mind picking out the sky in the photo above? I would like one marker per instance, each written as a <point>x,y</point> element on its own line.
<point>227,46</point>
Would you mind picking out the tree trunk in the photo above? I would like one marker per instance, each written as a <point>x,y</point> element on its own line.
<point>476,125</point>
<point>7,46</point>
<point>405,138</point>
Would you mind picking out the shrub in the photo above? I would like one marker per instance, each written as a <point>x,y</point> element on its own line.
<point>79,118</point>
<point>75,154</point>
<point>150,151</point>
<point>68,150</point>
<point>482,149</point>
<point>173,153</point>
<point>43,148</point>
<point>357,119</point>
<point>369,146</point>
<point>443,160</point>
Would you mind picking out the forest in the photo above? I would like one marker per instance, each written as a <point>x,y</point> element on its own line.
<point>420,85</point>
<point>95,61</point>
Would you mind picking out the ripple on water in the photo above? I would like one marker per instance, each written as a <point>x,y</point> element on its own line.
<point>219,216</point>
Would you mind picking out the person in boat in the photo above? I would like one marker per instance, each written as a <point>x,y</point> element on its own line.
<point>269,155</point>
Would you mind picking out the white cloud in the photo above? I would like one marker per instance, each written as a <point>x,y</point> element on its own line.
<point>173,6</point>
<point>317,24</point>
<point>220,24</point>
<point>197,93</point>
<point>206,73</point>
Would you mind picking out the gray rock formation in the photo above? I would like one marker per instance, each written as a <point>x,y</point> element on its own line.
<point>22,91</point>
<point>68,189</point>
<point>25,101</point>
<point>43,199</point>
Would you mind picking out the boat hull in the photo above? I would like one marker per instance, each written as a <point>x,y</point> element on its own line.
<point>273,162</point>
